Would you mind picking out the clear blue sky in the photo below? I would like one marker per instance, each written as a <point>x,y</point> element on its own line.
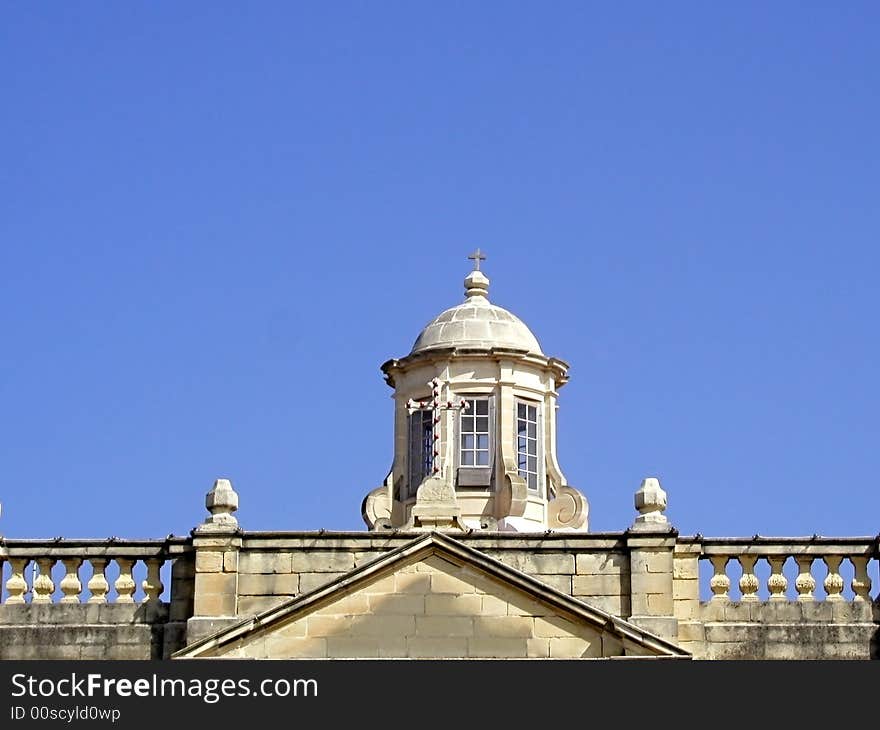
<point>218,219</point>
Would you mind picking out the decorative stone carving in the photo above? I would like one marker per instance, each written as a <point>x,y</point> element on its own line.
<point>568,511</point>
<point>376,509</point>
<point>71,585</point>
<point>777,583</point>
<point>436,507</point>
<point>861,583</point>
<point>748,582</point>
<point>153,586</point>
<point>650,501</point>
<point>833,583</point>
<point>44,586</point>
<point>125,585</point>
<point>513,495</point>
<point>98,585</point>
<point>16,586</point>
<point>719,583</point>
<point>804,583</point>
<point>221,502</point>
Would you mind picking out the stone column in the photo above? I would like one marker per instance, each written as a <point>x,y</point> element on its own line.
<point>651,542</point>
<point>217,542</point>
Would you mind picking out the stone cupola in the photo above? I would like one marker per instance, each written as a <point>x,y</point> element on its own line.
<point>475,427</point>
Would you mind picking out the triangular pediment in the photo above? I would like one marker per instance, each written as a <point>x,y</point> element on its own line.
<point>433,597</point>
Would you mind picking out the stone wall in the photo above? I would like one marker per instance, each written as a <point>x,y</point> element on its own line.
<point>652,580</point>
<point>67,611</point>
<point>273,567</point>
<point>787,620</point>
<point>86,631</point>
<point>437,609</point>
<point>815,630</point>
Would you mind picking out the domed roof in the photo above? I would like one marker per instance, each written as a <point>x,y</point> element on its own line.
<point>476,323</point>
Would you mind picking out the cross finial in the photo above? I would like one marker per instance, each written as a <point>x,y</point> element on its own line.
<point>476,257</point>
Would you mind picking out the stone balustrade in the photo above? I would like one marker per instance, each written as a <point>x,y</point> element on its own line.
<point>818,562</point>
<point>776,597</point>
<point>91,571</point>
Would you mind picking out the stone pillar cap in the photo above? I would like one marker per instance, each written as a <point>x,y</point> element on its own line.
<point>650,501</point>
<point>221,502</point>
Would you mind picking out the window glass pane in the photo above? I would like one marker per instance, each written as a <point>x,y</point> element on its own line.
<point>520,444</point>
<point>521,463</point>
<point>533,431</point>
<point>533,447</point>
<point>483,442</point>
<point>533,413</point>
<point>482,458</point>
<point>533,481</point>
<point>467,423</point>
<point>533,464</point>
<point>483,424</point>
<point>467,441</point>
<point>421,448</point>
<point>482,407</point>
<point>520,410</point>
<point>467,458</point>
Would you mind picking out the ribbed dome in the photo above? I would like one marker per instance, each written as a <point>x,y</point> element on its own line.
<point>476,323</point>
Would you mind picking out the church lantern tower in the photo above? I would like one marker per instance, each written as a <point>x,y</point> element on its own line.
<point>475,405</point>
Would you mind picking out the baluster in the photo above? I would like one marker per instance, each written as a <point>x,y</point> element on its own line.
<point>125,585</point>
<point>98,585</point>
<point>71,585</point>
<point>44,586</point>
<point>153,584</point>
<point>833,582</point>
<point>777,583</point>
<point>804,583</point>
<point>16,586</point>
<point>861,583</point>
<point>748,582</point>
<point>720,583</point>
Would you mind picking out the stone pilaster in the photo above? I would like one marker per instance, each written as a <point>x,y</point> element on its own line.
<point>651,543</point>
<point>216,543</point>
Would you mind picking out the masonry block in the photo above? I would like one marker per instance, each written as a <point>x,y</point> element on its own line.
<point>573,647</point>
<point>450,604</point>
<point>443,583</point>
<point>533,563</point>
<point>399,604</point>
<point>309,582</point>
<point>600,585</point>
<point>322,561</point>
<point>561,583</point>
<point>420,647</point>
<point>504,626</point>
<point>248,605</point>
<point>293,647</point>
<point>268,584</point>
<point>260,562</point>
<point>209,562</point>
<point>493,647</point>
<point>437,626</point>
<point>601,563</point>
<point>353,647</point>
<point>419,583</point>
<point>648,561</point>
<point>492,606</point>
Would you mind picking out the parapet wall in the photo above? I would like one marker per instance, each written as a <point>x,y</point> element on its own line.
<point>778,598</point>
<point>80,599</point>
<point>786,598</point>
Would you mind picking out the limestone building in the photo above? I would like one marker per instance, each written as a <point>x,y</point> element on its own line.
<point>476,546</point>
